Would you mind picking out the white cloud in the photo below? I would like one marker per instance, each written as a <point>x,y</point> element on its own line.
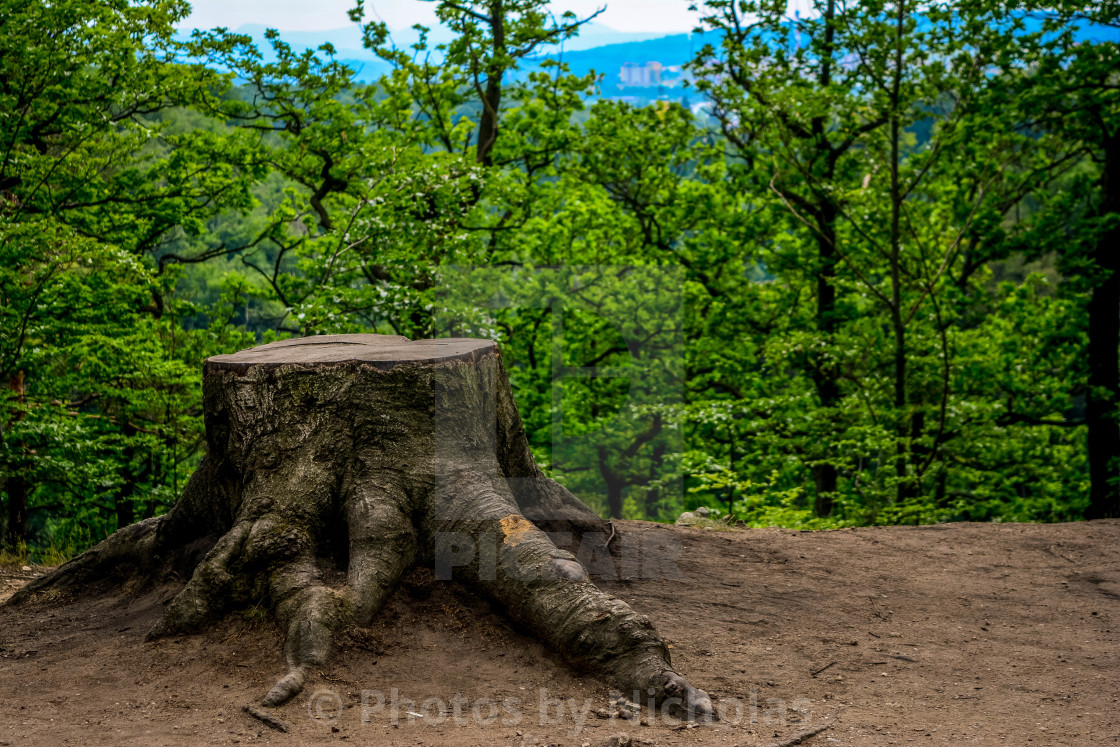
<point>298,15</point>
<point>288,15</point>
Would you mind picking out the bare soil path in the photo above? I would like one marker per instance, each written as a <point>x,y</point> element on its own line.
<point>959,634</point>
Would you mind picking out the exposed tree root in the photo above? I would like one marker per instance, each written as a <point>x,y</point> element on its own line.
<point>265,718</point>
<point>371,454</point>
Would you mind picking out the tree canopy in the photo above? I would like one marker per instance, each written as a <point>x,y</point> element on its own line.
<point>872,279</point>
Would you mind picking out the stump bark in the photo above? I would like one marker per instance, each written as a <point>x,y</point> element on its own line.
<point>335,463</point>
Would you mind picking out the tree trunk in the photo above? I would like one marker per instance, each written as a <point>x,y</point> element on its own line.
<point>16,485</point>
<point>334,463</point>
<point>824,473</point>
<point>653,493</point>
<point>1104,340</point>
<point>492,97</point>
<point>614,483</point>
<point>17,488</point>
<point>126,510</point>
<point>824,376</point>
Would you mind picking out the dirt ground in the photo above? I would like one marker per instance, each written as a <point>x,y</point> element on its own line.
<point>958,634</point>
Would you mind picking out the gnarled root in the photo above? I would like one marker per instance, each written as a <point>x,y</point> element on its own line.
<point>130,546</point>
<point>312,614</point>
<point>209,592</point>
<point>169,543</point>
<point>547,590</point>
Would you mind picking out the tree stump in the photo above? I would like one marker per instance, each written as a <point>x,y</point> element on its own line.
<point>333,464</point>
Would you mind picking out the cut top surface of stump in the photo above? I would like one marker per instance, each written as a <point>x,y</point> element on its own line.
<point>380,351</point>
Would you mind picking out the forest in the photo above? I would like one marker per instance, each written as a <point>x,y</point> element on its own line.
<point>873,279</point>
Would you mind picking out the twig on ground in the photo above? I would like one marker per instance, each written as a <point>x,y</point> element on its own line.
<point>266,718</point>
<point>902,657</point>
<point>607,544</point>
<point>1066,558</point>
<point>826,666</point>
<point>800,736</point>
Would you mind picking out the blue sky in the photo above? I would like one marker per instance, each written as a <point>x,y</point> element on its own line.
<point>666,16</point>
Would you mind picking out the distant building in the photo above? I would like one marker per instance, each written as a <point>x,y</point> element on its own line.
<point>641,75</point>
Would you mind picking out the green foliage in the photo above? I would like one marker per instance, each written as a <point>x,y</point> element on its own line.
<point>809,309</point>
<point>100,415</point>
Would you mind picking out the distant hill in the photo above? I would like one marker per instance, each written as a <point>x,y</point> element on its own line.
<point>598,48</point>
<point>668,50</point>
<point>593,37</point>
